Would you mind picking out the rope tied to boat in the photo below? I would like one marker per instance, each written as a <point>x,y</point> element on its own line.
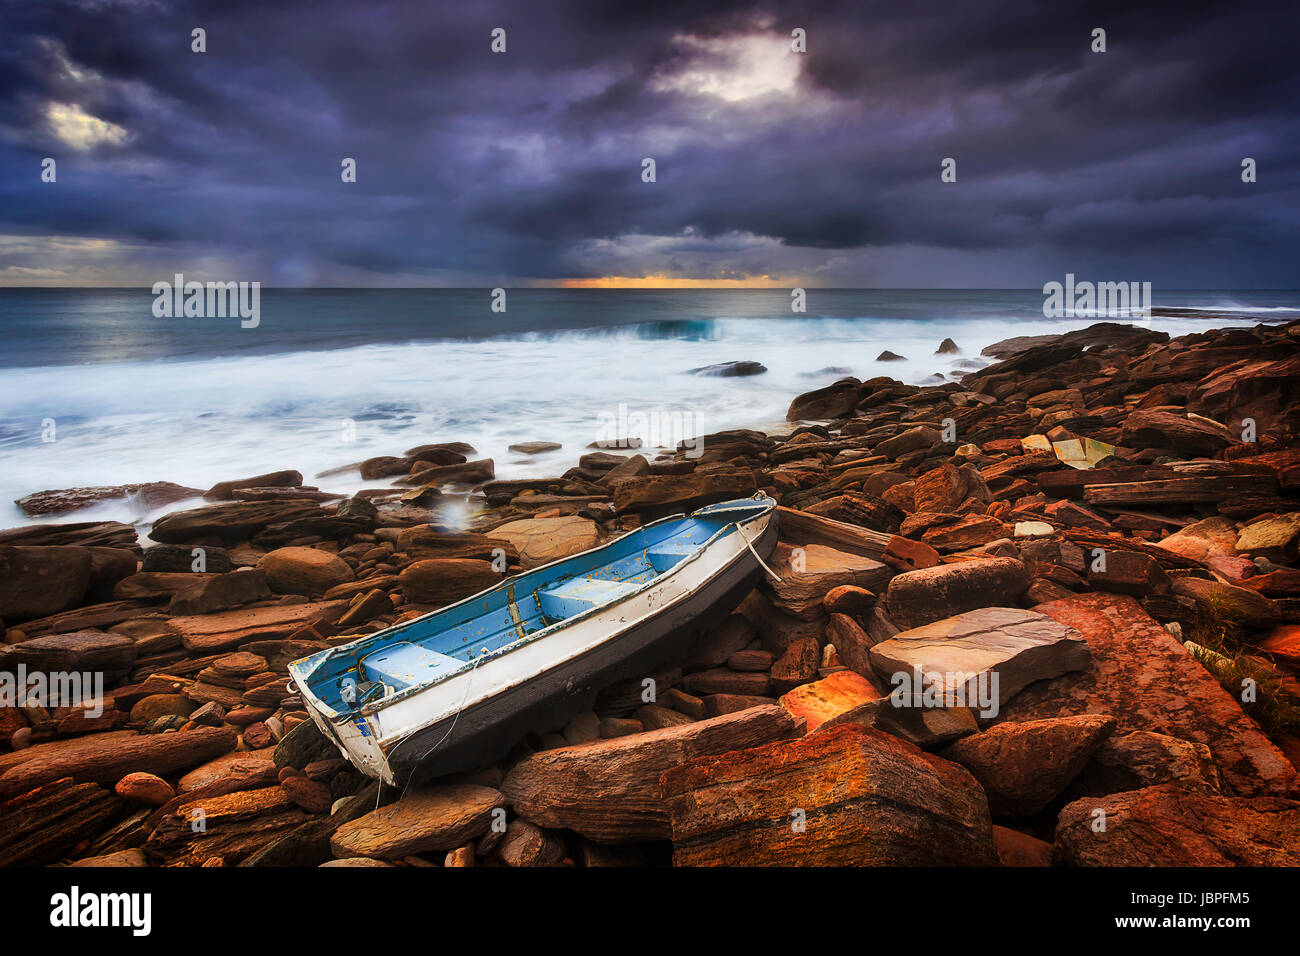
<point>763,564</point>
<point>483,653</point>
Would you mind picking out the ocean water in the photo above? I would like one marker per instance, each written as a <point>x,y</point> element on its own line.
<point>335,376</point>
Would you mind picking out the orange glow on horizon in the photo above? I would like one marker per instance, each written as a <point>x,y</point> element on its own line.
<point>662,281</point>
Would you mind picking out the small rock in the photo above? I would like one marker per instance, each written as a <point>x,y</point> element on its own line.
<point>144,788</point>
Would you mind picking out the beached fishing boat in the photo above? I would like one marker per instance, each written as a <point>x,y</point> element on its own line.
<point>456,688</point>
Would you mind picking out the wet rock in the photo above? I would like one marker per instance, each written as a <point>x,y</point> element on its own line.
<point>230,523</point>
<point>224,490</point>
<point>147,496</point>
<point>769,805</point>
<point>947,347</point>
<point>834,401</point>
<point>888,356</point>
<point>1023,767</point>
<point>730,369</point>
<point>535,447</point>
<point>466,473</point>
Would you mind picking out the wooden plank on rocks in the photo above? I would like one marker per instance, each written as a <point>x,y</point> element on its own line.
<point>1180,490</point>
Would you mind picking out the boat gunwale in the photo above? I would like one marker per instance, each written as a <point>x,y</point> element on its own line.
<point>301,679</point>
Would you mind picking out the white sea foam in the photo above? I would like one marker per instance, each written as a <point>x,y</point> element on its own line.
<point>199,422</point>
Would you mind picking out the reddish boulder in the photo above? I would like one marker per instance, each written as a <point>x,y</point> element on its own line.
<point>847,796</point>
<point>1170,826</point>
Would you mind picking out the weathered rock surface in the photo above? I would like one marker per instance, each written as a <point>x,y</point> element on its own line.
<point>1145,679</point>
<point>436,818</point>
<point>231,523</point>
<point>446,580</point>
<point>608,790</point>
<point>1143,759</point>
<point>1170,826</point>
<point>1024,766</point>
<point>1019,647</point>
<point>833,696</point>
<point>37,582</point>
<point>541,540</point>
<point>106,758</point>
<point>846,796</point>
<point>667,493</point>
<point>919,597</point>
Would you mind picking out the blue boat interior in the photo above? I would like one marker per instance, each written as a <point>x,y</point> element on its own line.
<point>430,648</point>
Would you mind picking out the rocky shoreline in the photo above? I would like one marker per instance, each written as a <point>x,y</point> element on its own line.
<point>1048,614</point>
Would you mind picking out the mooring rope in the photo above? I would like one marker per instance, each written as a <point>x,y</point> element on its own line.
<point>761,562</point>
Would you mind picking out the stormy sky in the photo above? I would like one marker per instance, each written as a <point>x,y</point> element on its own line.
<point>772,167</point>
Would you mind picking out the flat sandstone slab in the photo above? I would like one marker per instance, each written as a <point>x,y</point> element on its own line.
<point>1147,681</point>
<point>1019,646</point>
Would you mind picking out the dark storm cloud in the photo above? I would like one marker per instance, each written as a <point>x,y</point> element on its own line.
<point>476,167</point>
